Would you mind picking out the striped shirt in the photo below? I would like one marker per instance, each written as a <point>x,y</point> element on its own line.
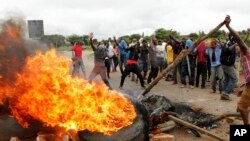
<point>245,62</point>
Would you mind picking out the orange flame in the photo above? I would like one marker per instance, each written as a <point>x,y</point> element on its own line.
<point>45,91</point>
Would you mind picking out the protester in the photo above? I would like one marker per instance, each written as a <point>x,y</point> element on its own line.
<point>122,54</point>
<point>177,48</point>
<point>170,59</point>
<point>143,59</point>
<point>109,59</point>
<point>78,64</point>
<point>153,61</point>
<point>228,57</point>
<point>115,58</point>
<point>132,64</point>
<point>214,53</point>
<point>188,66</point>
<point>100,53</point>
<point>244,102</point>
<point>201,64</point>
<point>161,54</point>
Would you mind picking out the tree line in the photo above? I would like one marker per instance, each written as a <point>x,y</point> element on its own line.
<point>161,33</point>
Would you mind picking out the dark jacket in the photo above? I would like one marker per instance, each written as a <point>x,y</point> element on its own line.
<point>228,56</point>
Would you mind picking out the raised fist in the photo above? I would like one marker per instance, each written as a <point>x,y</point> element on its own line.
<point>227,20</point>
<point>91,35</point>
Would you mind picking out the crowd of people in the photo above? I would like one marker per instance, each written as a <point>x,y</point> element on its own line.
<point>214,60</point>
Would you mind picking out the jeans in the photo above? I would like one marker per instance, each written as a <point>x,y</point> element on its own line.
<point>230,79</point>
<point>77,66</point>
<point>216,74</point>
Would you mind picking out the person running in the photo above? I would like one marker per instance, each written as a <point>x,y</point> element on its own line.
<point>100,53</point>
<point>77,50</point>
<point>132,64</point>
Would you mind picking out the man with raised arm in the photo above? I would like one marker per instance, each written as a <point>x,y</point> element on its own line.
<point>243,105</point>
<point>100,53</point>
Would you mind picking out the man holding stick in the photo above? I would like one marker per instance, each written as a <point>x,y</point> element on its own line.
<point>244,103</point>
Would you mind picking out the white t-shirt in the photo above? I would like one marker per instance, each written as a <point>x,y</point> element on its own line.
<point>111,51</point>
<point>161,50</point>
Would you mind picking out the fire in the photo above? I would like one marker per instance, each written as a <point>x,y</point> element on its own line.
<point>42,89</point>
<point>46,92</point>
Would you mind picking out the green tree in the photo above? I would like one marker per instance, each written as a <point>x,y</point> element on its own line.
<point>163,34</point>
<point>194,36</point>
<point>75,38</point>
<point>135,36</point>
<point>126,38</point>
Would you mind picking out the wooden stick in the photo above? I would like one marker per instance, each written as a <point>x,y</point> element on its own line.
<point>235,45</point>
<point>225,115</point>
<point>178,59</point>
<point>189,125</point>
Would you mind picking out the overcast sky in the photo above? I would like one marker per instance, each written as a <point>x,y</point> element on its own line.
<point>107,18</point>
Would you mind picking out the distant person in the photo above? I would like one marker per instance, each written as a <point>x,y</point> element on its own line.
<point>161,54</point>
<point>77,51</point>
<point>122,53</point>
<point>170,59</point>
<point>143,58</point>
<point>177,48</point>
<point>153,61</point>
<point>115,58</point>
<point>109,59</point>
<point>100,53</point>
<point>188,66</point>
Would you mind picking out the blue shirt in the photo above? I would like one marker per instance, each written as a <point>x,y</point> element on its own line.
<point>209,52</point>
<point>122,45</point>
<point>188,43</point>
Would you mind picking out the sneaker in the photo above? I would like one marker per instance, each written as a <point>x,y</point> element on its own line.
<point>120,88</point>
<point>191,87</point>
<point>182,86</point>
<point>143,87</point>
<point>225,97</point>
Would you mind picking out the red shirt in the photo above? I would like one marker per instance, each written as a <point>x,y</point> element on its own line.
<point>131,62</point>
<point>78,51</point>
<point>245,62</point>
<point>201,52</point>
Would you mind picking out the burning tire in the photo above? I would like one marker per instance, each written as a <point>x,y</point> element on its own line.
<point>9,127</point>
<point>138,131</point>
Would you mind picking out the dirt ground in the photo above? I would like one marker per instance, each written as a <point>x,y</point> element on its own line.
<point>210,103</point>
